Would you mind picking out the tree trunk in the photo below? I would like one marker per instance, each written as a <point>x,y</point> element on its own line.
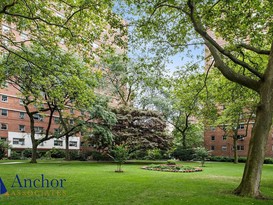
<point>34,152</point>
<point>67,155</point>
<point>250,184</point>
<point>235,152</point>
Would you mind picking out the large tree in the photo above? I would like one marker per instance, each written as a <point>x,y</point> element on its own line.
<point>231,31</point>
<point>60,82</point>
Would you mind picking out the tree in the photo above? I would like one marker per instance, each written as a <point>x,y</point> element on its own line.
<point>3,148</point>
<point>50,23</point>
<point>236,107</point>
<point>201,153</point>
<point>245,28</point>
<point>120,154</point>
<point>60,82</point>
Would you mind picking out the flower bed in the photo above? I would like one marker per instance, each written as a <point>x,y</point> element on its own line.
<point>171,168</point>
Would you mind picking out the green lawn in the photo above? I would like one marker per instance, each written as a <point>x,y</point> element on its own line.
<point>97,183</point>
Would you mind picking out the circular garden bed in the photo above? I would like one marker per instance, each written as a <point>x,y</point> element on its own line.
<point>172,168</point>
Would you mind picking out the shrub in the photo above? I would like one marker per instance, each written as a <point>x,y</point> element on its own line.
<point>55,153</point>
<point>154,154</point>
<point>183,154</point>
<point>201,154</point>
<point>98,156</point>
<point>171,162</point>
<point>268,161</point>
<point>28,153</point>
<point>15,155</point>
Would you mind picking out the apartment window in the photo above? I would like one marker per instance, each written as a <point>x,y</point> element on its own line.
<point>24,36</point>
<point>58,143</point>
<point>4,98</point>
<point>5,29</point>
<point>240,137</point>
<point>22,128</point>
<point>4,112</point>
<point>21,115</point>
<point>71,122</point>
<point>241,126</point>
<point>62,41</point>
<point>73,143</point>
<point>21,102</point>
<point>3,139</point>
<point>212,138</point>
<point>240,147</point>
<point>18,141</point>
<point>212,128</point>
<point>56,131</point>
<point>56,120</point>
<point>224,148</point>
<point>224,137</point>
<point>95,45</point>
<point>38,130</point>
<point>212,147</point>
<point>4,126</point>
<point>38,117</point>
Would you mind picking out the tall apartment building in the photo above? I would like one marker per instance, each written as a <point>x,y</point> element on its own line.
<point>15,123</point>
<point>220,143</point>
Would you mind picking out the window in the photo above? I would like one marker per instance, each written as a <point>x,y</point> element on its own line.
<point>3,139</point>
<point>241,126</point>
<point>212,128</point>
<point>240,147</point>
<point>224,137</point>
<point>240,137</point>
<point>56,131</point>
<point>58,143</point>
<point>4,126</point>
<point>38,130</point>
<point>22,128</point>
<point>62,41</point>
<point>56,120</point>
<point>4,98</point>
<point>38,117</point>
<point>224,148</point>
<point>5,29</point>
<point>4,112</point>
<point>212,147</point>
<point>73,143</point>
<point>18,141</point>
<point>212,138</point>
<point>71,122</point>
<point>21,102</point>
<point>24,36</point>
<point>95,45</point>
<point>21,115</point>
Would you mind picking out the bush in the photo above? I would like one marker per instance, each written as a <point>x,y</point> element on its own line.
<point>74,155</point>
<point>27,153</point>
<point>98,156</point>
<point>15,155</point>
<point>154,154</point>
<point>183,154</point>
<point>138,154</point>
<point>171,162</point>
<point>268,161</point>
<point>55,153</point>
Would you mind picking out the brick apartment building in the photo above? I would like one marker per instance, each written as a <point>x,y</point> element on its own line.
<point>220,143</point>
<point>14,122</point>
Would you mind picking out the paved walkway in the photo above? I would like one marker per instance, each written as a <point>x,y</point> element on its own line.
<point>12,163</point>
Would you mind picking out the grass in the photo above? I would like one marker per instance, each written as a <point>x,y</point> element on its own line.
<point>97,183</point>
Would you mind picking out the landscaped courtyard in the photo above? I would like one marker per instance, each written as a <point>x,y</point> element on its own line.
<point>97,183</point>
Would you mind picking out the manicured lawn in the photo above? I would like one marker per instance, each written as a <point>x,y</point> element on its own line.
<point>97,183</point>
